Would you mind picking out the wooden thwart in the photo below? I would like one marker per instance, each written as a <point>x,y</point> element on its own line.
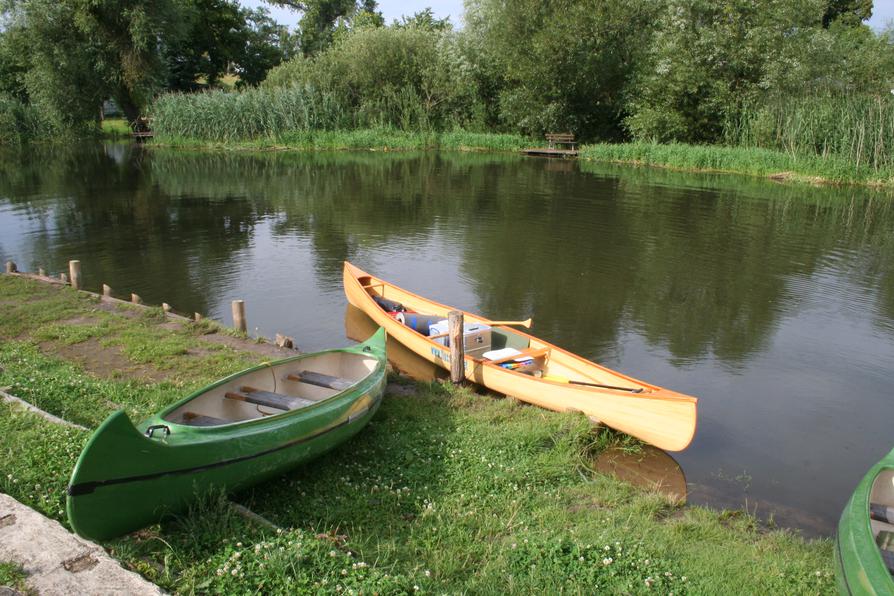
<point>268,399</point>
<point>526,353</point>
<point>320,380</point>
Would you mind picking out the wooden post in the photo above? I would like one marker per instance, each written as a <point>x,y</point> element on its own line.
<point>41,272</point>
<point>11,267</point>
<point>74,270</point>
<point>135,298</point>
<point>106,291</point>
<point>166,307</point>
<point>197,316</point>
<point>239,316</point>
<point>457,347</point>
<point>63,278</point>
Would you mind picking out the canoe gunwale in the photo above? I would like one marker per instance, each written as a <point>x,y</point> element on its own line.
<point>368,379</point>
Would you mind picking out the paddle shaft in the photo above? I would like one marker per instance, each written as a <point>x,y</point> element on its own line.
<point>639,390</point>
<point>525,323</point>
<point>559,379</point>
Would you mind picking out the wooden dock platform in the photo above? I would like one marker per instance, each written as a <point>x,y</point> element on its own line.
<point>550,152</point>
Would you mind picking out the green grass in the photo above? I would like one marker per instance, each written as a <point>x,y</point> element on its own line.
<point>115,128</point>
<point>384,139</point>
<point>741,160</point>
<point>13,576</point>
<point>446,491</point>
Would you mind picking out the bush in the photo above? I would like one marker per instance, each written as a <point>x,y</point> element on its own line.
<point>21,122</point>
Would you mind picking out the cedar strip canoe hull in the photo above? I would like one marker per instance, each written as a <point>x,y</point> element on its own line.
<point>663,418</point>
<point>859,567</point>
<point>124,480</point>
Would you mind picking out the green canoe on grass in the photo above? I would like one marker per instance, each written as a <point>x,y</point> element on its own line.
<point>243,429</point>
<point>864,544</point>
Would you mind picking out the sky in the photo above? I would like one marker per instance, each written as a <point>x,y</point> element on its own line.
<point>882,13</point>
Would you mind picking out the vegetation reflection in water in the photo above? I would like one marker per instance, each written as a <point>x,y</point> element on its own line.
<point>724,287</point>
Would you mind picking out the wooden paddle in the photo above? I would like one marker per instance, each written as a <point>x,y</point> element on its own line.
<point>561,379</point>
<point>525,323</point>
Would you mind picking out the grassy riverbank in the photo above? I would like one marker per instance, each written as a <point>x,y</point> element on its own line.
<point>766,163</point>
<point>446,491</point>
<point>371,138</point>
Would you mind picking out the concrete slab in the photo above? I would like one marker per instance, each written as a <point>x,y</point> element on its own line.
<point>57,561</point>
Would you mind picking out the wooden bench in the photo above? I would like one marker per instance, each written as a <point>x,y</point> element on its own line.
<point>268,399</point>
<point>561,138</point>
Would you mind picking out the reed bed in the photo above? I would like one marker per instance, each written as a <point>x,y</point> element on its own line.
<point>756,161</point>
<point>219,116</point>
<point>858,129</point>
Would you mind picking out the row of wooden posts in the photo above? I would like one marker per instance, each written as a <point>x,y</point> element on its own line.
<point>73,278</point>
<point>454,318</point>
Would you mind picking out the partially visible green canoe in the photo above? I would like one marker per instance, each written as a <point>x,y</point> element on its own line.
<point>864,544</point>
<point>241,430</point>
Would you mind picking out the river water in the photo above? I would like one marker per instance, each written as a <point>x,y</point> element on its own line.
<point>774,304</point>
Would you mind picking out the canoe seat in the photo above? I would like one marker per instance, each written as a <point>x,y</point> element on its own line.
<point>320,380</point>
<point>526,353</point>
<point>268,399</point>
<point>193,419</point>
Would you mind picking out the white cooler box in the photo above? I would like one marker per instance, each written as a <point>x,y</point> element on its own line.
<point>476,336</point>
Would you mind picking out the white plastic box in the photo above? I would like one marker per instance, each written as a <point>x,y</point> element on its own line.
<point>476,336</point>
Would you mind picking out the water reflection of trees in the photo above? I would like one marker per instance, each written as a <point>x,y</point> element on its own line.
<point>695,263</point>
<point>103,208</point>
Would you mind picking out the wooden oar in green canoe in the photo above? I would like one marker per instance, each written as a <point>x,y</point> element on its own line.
<point>241,430</point>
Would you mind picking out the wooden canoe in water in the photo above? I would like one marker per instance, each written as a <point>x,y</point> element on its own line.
<point>243,429</point>
<point>864,543</point>
<point>567,382</point>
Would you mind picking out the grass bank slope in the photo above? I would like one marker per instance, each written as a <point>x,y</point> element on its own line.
<point>446,491</point>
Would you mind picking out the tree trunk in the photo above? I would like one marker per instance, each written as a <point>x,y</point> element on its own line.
<point>130,109</point>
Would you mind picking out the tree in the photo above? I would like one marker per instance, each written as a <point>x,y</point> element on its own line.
<point>125,35</point>
<point>424,19</point>
<point>708,59</point>
<point>559,64</point>
<point>320,19</point>
<point>215,38</point>
<point>849,12</point>
<point>265,45</point>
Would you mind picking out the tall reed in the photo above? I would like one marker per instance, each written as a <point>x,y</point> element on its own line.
<point>274,112</point>
<point>856,128</point>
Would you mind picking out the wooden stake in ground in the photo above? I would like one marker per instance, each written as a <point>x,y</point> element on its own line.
<point>239,316</point>
<point>106,291</point>
<point>11,267</point>
<point>457,346</point>
<point>74,271</point>
<point>135,298</point>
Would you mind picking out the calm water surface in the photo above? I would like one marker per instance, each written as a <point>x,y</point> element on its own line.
<point>774,304</point>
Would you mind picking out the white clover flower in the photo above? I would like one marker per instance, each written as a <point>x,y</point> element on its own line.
<point>607,561</point>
